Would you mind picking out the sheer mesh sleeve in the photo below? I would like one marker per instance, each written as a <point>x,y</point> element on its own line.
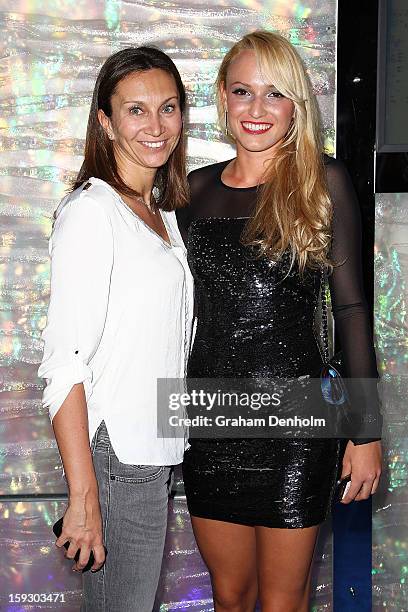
<point>350,309</point>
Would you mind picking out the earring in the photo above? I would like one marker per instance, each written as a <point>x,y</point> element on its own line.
<point>110,135</point>
<point>226,122</point>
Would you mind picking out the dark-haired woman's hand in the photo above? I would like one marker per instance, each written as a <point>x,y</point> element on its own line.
<point>363,462</point>
<point>82,527</point>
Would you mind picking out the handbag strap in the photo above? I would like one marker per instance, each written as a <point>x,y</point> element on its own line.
<point>324,316</point>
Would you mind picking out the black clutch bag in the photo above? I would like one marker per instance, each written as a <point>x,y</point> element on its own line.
<point>57,529</point>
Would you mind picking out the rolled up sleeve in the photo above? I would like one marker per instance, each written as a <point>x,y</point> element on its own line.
<point>81,251</point>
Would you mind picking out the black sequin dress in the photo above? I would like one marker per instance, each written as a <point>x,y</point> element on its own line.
<point>253,322</point>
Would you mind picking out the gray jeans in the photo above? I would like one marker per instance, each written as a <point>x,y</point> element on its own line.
<point>133,500</point>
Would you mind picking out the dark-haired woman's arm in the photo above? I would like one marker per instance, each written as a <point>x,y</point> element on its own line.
<point>81,249</point>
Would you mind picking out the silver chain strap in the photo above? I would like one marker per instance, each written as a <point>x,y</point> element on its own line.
<point>325,326</point>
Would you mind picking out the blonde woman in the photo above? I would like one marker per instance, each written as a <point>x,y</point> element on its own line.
<point>259,229</point>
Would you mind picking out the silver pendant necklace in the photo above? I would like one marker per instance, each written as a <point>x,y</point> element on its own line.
<point>148,205</point>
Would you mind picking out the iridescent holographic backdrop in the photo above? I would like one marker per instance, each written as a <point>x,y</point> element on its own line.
<point>51,51</point>
<point>390,504</point>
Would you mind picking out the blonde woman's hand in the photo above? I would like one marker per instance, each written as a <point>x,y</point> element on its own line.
<point>363,462</point>
<point>82,528</point>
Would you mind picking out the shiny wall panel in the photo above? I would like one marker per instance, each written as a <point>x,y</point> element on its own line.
<point>34,574</point>
<point>390,504</point>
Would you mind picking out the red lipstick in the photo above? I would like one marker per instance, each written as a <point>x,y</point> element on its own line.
<point>249,130</point>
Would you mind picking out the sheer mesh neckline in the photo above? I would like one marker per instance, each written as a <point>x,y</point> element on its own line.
<point>229,187</point>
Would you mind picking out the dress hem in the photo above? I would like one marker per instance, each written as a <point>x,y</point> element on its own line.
<point>255,523</point>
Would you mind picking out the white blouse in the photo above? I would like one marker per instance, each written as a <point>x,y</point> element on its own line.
<point>119,317</point>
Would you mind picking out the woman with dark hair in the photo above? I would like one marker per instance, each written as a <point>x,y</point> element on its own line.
<point>120,318</point>
<point>263,229</point>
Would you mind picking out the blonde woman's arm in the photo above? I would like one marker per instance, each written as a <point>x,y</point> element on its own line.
<point>363,454</point>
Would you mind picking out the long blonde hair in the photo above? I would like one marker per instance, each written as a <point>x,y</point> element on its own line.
<point>293,208</point>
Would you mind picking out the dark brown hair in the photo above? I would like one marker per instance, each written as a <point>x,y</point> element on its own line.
<point>99,160</point>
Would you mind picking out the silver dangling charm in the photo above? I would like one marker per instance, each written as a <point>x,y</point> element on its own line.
<point>226,122</point>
